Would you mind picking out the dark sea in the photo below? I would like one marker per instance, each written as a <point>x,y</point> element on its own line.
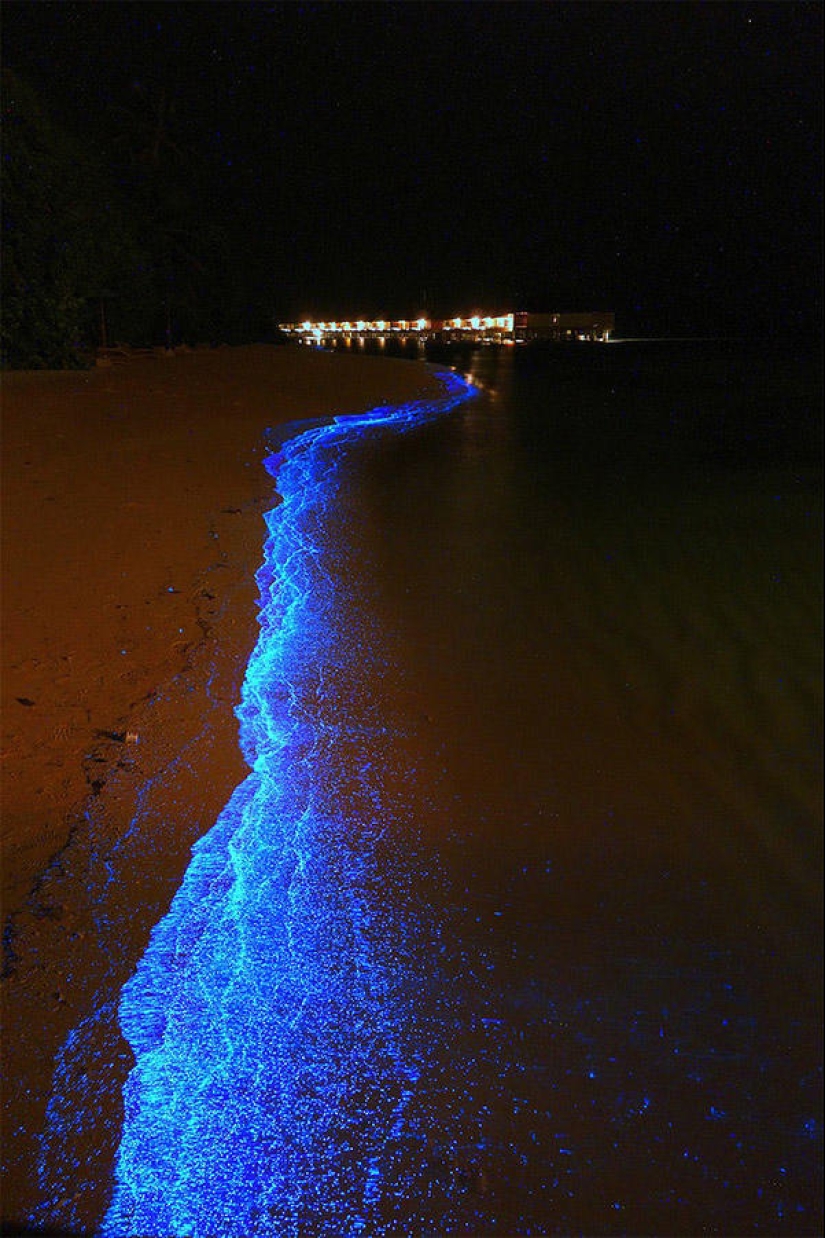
<point>603,581</point>
<point>550,919</point>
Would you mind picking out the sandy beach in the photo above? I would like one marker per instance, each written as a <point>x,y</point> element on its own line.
<point>133,497</point>
<point>535,809</point>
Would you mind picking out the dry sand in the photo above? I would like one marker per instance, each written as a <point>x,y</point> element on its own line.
<point>133,497</point>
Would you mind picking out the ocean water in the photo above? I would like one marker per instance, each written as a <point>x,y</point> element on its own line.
<point>516,925</point>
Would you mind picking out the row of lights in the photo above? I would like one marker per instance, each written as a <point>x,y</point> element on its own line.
<point>381,326</point>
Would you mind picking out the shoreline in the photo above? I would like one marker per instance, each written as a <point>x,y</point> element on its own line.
<point>148,637</point>
<point>59,645</point>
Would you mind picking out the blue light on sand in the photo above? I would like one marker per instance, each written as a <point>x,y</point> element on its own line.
<point>272,1072</point>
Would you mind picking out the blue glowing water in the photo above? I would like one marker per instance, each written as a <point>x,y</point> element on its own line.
<point>272,1071</point>
<point>515,925</point>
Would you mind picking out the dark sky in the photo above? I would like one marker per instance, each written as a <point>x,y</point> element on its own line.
<point>662,160</point>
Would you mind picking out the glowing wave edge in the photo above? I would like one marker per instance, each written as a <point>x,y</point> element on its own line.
<point>272,1065</point>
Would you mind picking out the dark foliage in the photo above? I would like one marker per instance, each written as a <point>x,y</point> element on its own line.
<point>68,240</point>
<point>108,240</point>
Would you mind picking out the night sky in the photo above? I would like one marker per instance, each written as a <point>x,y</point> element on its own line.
<point>660,160</point>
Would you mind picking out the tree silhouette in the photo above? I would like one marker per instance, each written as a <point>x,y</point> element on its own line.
<point>148,124</point>
<point>66,236</point>
<point>130,235</point>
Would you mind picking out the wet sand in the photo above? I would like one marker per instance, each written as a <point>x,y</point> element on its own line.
<point>132,529</point>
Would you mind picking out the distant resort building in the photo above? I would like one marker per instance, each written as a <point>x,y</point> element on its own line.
<point>513,328</point>
<point>593,326</point>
